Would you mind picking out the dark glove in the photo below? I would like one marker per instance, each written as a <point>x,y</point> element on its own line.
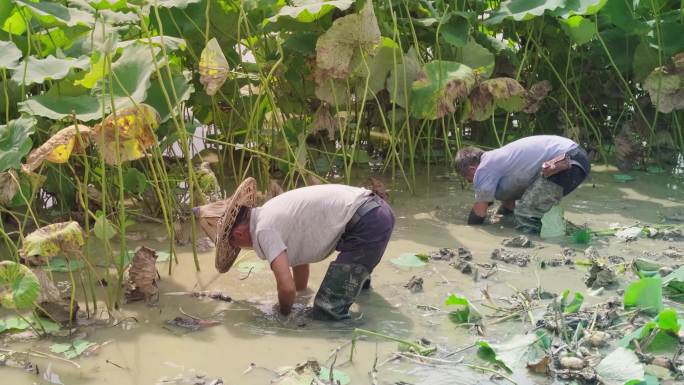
<point>504,211</point>
<point>474,219</point>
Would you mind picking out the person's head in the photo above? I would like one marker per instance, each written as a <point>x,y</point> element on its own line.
<point>467,160</point>
<point>239,234</point>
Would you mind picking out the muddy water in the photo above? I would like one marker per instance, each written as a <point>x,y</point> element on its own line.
<point>144,351</point>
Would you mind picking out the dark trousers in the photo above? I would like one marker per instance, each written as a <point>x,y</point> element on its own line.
<point>365,242</point>
<point>571,178</point>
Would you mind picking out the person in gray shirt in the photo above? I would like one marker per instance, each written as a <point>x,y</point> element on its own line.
<point>304,226</point>
<point>512,174</point>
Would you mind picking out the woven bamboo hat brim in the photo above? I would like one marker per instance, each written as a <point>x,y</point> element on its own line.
<point>244,195</point>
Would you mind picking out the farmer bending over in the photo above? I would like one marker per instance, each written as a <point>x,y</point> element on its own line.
<point>529,176</point>
<point>304,226</point>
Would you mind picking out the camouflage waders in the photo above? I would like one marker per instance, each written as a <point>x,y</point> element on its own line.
<point>340,287</point>
<point>537,200</point>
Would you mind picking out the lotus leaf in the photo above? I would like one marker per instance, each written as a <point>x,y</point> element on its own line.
<point>213,67</point>
<point>333,91</point>
<point>64,265</point>
<point>54,106</point>
<point>377,65</point>
<point>440,85</point>
<point>181,4</point>
<point>505,93</point>
<point>477,57</point>
<point>134,127</point>
<point>339,377</point>
<point>350,35</point>
<point>580,7</point>
<point>15,141</point>
<point>402,77</point>
<point>658,336</point>
<point>536,93</point>
<point>9,186</point>
<point>73,349</point>
<point>487,353</point>
<point>674,282</point>
<point>307,11</point>
<point>54,13</point>
<point>465,312</point>
<point>51,240</point>
<point>13,323</point>
<point>183,90</point>
<point>37,71</point>
<point>645,294</point>
<point>581,30</point>
<point>103,228</point>
<point>19,287</point>
<point>131,74</point>
<point>170,42</point>
<point>455,28</point>
<point>14,23</point>
<point>620,366</point>
<point>97,71</point>
<point>522,350</point>
<point>58,148</point>
<point>574,306</point>
<point>665,86</point>
<point>520,10</point>
<point>10,55</point>
<point>623,178</point>
<point>408,260</point>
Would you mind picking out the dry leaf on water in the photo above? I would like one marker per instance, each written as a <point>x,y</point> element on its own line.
<point>213,67</point>
<point>143,276</point>
<point>59,147</point>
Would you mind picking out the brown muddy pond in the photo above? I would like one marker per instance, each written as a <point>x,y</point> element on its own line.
<point>142,349</point>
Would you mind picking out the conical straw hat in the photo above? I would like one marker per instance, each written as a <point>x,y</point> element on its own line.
<point>217,220</point>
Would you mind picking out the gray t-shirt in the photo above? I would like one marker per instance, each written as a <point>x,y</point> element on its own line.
<point>306,222</point>
<point>506,172</point>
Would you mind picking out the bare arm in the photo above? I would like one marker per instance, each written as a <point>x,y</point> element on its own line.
<point>478,213</point>
<point>284,282</point>
<point>301,276</point>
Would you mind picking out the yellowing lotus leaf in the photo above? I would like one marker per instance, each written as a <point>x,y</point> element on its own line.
<point>9,186</point>
<point>59,147</point>
<point>665,86</point>
<point>19,287</point>
<point>504,93</point>
<point>213,67</point>
<point>133,127</point>
<point>65,238</point>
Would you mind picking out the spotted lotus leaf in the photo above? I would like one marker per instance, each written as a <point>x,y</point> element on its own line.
<point>337,48</point>
<point>134,127</point>
<point>64,238</point>
<point>504,93</point>
<point>665,85</point>
<point>19,287</point>
<point>440,85</point>
<point>59,147</point>
<point>213,67</point>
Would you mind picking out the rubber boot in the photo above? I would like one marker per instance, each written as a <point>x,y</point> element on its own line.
<point>340,287</point>
<point>537,200</point>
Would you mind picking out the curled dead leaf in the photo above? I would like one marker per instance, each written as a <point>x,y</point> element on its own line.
<point>213,67</point>
<point>8,186</point>
<point>535,94</point>
<point>132,127</point>
<point>143,276</point>
<point>504,93</point>
<point>59,147</point>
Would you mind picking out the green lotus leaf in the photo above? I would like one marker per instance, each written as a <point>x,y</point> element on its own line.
<point>623,15</point>
<point>103,228</point>
<point>10,55</point>
<point>645,294</point>
<point>53,106</point>
<point>464,311</point>
<point>37,71</point>
<point>183,90</point>
<point>181,4</point>
<point>19,287</point>
<point>63,238</point>
<point>505,93</point>
<point>170,42</point>
<point>579,7</point>
<point>581,30</point>
<point>376,66</point>
<point>114,5</point>
<point>339,377</point>
<point>348,36</point>
<point>408,260</point>
<point>308,11</point>
<point>455,29</point>
<point>476,57</point>
<point>52,13</point>
<point>553,223</point>
<point>63,265</point>
<point>486,352</point>
<point>440,85</point>
<point>520,10</point>
<point>14,21</point>
<point>667,35</point>
<point>13,323</point>
<point>645,60</point>
<point>15,141</point>
<point>135,127</point>
<point>620,366</point>
<point>134,181</point>
<point>402,77</point>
